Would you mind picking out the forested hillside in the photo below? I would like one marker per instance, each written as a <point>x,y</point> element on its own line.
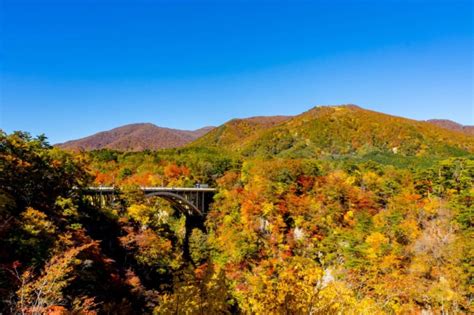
<point>340,130</point>
<point>239,132</point>
<point>338,210</point>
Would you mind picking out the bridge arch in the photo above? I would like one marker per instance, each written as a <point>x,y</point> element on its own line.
<point>191,201</point>
<point>180,203</point>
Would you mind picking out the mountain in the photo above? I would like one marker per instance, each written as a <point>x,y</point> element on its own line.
<point>323,130</point>
<point>136,137</point>
<point>451,125</point>
<point>336,130</point>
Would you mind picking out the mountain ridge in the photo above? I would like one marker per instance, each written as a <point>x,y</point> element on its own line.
<point>136,137</point>
<point>348,125</point>
<point>340,130</point>
<point>452,125</point>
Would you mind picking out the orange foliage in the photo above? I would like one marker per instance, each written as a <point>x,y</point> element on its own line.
<point>174,171</point>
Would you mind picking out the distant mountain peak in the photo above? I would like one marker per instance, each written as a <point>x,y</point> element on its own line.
<point>136,137</point>
<point>452,125</point>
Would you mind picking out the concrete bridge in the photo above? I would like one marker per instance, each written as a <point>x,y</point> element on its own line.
<point>189,200</point>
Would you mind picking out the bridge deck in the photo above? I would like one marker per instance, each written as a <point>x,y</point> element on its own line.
<point>110,189</point>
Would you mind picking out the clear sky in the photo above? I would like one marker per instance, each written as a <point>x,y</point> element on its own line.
<point>70,68</point>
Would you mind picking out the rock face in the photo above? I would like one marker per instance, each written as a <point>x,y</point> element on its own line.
<point>451,125</point>
<point>136,137</point>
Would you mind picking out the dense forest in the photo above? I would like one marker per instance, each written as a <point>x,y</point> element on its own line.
<point>347,224</point>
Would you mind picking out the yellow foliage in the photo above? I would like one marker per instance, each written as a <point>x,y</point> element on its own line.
<point>376,240</point>
<point>139,213</point>
<point>35,222</point>
<point>432,206</point>
<point>379,220</point>
<point>410,229</point>
<point>390,261</point>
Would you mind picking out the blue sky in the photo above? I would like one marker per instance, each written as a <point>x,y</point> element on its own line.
<point>71,68</point>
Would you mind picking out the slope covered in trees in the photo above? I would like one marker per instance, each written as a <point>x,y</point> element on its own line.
<point>340,130</point>
<point>238,132</point>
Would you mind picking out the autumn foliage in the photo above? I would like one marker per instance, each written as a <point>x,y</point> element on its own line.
<point>294,234</point>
